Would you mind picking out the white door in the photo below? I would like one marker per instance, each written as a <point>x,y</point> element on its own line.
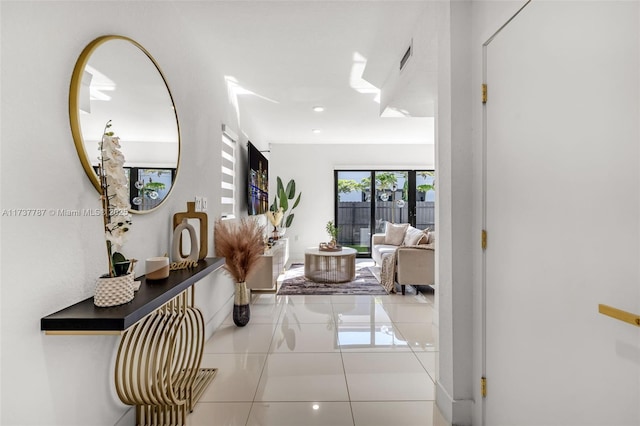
<point>562,215</point>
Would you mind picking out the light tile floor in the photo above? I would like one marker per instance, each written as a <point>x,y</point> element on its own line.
<point>325,360</point>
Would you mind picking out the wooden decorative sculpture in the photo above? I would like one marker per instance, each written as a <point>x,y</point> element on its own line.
<point>191,213</point>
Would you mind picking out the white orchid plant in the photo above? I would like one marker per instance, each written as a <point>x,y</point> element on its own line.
<point>115,198</point>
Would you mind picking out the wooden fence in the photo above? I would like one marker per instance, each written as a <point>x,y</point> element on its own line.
<point>354,219</point>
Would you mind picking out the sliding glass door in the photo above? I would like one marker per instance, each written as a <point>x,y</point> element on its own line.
<point>367,199</point>
<point>425,200</point>
<point>391,203</point>
<point>353,209</point>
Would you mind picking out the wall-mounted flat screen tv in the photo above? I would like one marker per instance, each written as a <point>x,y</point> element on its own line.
<point>258,188</point>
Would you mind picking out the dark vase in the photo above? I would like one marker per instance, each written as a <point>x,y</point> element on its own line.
<point>241,315</point>
<point>241,311</point>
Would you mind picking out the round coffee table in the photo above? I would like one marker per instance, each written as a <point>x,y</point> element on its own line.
<point>330,266</point>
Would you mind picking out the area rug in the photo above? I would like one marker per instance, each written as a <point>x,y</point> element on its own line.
<point>295,283</point>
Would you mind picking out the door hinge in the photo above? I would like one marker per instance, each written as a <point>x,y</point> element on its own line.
<point>484,93</point>
<point>483,386</point>
<point>484,239</point>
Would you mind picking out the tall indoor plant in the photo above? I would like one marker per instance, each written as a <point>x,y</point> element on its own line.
<point>284,197</point>
<point>241,243</point>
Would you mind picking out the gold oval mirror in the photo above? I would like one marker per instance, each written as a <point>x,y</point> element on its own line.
<point>116,79</point>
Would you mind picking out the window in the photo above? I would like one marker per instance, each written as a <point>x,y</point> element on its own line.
<point>367,199</point>
<point>148,187</point>
<point>353,215</point>
<point>425,200</point>
<point>228,180</point>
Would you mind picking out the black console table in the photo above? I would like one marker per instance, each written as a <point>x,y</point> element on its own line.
<point>158,362</point>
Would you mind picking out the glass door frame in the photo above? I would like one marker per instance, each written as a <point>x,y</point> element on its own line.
<point>411,175</point>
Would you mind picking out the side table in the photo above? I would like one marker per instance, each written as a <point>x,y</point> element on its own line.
<point>330,266</point>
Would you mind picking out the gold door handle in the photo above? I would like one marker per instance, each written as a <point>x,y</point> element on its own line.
<point>619,314</point>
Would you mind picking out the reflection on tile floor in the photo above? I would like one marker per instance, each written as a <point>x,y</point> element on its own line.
<point>325,360</point>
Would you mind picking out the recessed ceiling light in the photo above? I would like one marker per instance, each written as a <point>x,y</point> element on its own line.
<point>318,108</point>
<point>316,130</point>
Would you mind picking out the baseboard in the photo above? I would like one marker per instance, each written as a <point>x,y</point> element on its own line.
<point>218,318</point>
<point>457,412</point>
<point>128,418</point>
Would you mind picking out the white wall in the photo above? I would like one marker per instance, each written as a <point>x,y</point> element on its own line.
<point>454,394</point>
<point>51,262</point>
<point>464,26</point>
<point>312,168</point>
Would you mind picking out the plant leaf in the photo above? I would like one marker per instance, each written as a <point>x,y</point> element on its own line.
<point>291,189</point>
<point>118,257</point>
<point>284,202</point>
<point>289,220</point>
<point>280,186</point>
<point>154,186</point>
<point>297,201</point>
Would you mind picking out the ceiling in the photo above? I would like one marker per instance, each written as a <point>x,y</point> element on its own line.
<point>280,59</point>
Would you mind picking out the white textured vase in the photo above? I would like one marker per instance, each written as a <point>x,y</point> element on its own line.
<point>113,291</point>
<point>176,255</point>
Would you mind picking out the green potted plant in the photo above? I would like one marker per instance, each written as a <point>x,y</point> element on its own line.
<point>332,230</point>
<point>284,197</point>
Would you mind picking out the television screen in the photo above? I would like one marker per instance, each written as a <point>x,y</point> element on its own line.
<point>258,189</point>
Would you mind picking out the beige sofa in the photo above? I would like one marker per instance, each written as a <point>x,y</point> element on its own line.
<point>406,256</point>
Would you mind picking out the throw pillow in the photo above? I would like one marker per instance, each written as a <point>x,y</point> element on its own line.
<point>431,237</point>
<point>413,236</point>
<point>426,233</point>
<point>395,233</point>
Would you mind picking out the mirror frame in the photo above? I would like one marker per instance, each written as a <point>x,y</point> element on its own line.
<point>74,111</point>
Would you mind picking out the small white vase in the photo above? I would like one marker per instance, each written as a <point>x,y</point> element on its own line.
<point>113,291</point>
<point>157,268</point>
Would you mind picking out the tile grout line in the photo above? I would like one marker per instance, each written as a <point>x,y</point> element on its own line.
<point>334,303</point>
<point>344,370</point>
<point>266,360</point>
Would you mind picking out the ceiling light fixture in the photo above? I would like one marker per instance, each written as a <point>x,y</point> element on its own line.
<point>318,108</point>
<point>316,130</point>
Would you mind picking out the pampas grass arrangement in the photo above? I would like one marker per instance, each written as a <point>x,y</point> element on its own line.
<point>242,245</point>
